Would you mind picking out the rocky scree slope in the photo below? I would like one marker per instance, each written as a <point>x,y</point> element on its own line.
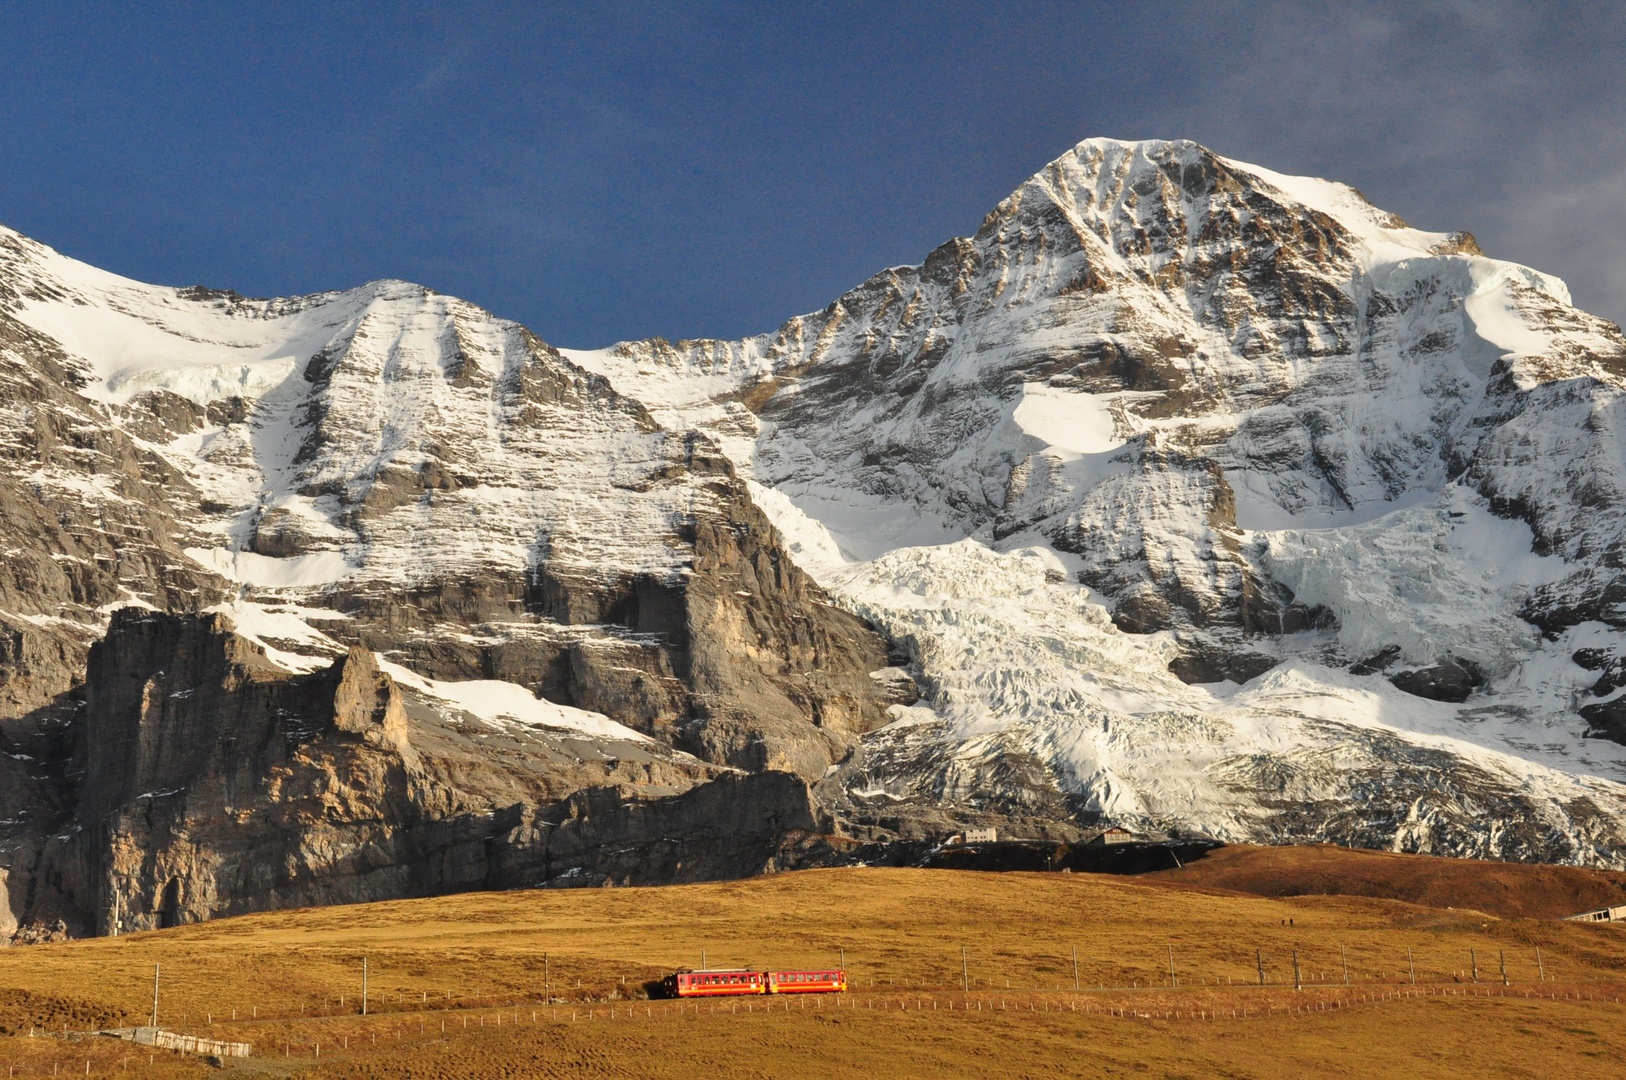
<point>1206,499</point>
<point>370,593</point>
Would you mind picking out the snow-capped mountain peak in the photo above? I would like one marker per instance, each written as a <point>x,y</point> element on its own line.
<point>1265,425</point>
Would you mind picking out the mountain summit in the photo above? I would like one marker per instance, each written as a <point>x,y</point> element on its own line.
<point>1184,496</point>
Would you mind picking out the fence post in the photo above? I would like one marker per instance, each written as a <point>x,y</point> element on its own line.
<point>1171,965</point>
<point>1502,956</point>
<point>1412,964</point>
<point>1298,982</point>
<point>155,995</point>
<point>1075,967</point>
<point>965,972</point>
<point>364,986</point>
<point>1473,962</point>
<point>1259,957</point>
<point>1539,966</point>
<point>1342,955</point>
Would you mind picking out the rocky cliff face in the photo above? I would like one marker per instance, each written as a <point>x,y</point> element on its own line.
<point>1183,495</point>
<point>211,781</point>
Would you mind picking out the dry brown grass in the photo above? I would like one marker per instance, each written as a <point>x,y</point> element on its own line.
<point>1511,890</point>
<point>902,931</point>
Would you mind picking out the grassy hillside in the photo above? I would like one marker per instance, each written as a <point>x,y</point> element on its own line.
<point>1511,890</point>
<point>289,981</point>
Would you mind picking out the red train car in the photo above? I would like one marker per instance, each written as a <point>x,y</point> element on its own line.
<point>806,982</point>
<point>684,984</point>
<point>715,983</point>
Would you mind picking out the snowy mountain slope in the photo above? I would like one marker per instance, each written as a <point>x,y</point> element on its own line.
<point>1271,429</point>
<point>422,465</point>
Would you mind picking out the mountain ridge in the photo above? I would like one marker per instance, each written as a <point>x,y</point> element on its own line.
<point>1182,495</point>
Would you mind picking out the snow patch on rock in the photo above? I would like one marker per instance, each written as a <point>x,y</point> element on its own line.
<point>1077,422</point>
<point>505,705</point>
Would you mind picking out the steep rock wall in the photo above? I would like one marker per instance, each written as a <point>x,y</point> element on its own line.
<point>214,782</point>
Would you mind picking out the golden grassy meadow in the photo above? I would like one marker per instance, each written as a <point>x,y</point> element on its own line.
<point>457,985</point>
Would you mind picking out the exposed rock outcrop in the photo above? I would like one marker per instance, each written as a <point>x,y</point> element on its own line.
<point>214,782</point>
<point>1453,680</point>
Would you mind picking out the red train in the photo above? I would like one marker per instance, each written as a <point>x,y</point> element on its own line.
<point>719,983</point>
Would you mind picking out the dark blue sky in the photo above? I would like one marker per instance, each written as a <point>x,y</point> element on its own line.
<point>602,172</point>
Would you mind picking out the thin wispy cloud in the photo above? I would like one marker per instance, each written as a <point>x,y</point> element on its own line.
<point>628,170</point>
<point>1503,119</point>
